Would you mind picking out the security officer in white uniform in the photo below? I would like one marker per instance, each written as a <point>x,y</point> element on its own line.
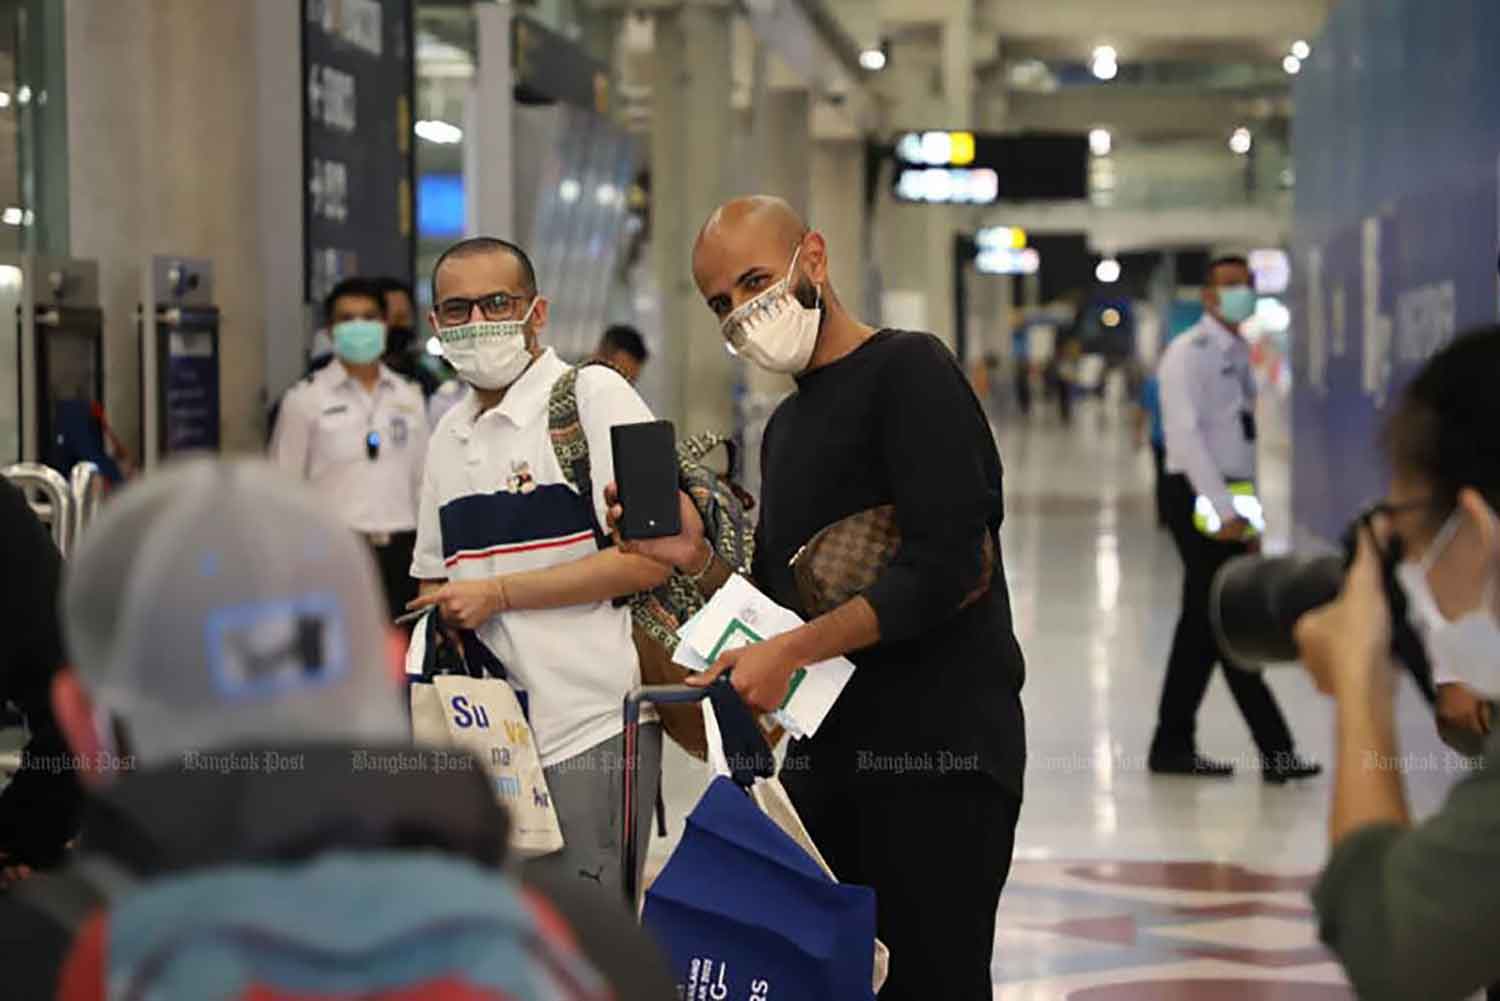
<point>1208,411</point>
<point>357,432</point>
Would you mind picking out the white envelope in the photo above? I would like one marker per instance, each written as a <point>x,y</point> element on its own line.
<point>737,615</point>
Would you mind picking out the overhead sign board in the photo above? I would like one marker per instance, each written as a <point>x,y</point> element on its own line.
<point>975,168</point>
<point>1007,261</point>
<point>357,66</point>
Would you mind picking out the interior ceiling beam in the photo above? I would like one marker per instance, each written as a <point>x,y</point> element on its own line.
<point>1175,22</point>
<point>1155,115</point>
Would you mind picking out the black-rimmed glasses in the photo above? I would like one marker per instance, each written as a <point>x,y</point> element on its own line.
<point>494,306</point>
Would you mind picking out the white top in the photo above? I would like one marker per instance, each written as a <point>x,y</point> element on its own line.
<point>322,437</point>
<point>444,399</point>
<point>494,501</point>
<point>1207,389</point>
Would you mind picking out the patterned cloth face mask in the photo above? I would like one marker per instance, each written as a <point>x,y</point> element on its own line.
<point>774,330</point>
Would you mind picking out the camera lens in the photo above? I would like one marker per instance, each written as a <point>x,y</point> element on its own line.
<point>1255,603</point>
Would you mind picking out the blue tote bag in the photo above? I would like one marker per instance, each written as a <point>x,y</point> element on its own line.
<point>745,913</point>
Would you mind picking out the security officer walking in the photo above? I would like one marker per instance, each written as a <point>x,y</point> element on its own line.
<point>1207,392</point>
<point>358,433</point>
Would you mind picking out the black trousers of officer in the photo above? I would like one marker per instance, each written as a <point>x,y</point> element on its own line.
<point>394,560</point>
<point>1195,650</point>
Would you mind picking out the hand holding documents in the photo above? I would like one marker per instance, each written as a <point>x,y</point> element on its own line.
<point>738,615</point>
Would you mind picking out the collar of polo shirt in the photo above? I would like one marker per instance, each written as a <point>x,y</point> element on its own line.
<point>524,401</point>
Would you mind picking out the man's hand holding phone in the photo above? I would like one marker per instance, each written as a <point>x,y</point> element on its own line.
<point>687,550</point>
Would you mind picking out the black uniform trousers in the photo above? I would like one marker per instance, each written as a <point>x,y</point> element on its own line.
<point>1195,649</point>
<point>394,560</point>
<point>936,849</point>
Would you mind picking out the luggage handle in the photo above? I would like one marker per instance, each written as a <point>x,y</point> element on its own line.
<point>656,695</point>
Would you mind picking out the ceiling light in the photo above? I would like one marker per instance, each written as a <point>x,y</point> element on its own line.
<point>872,60</point>
<point>1100,142</point>
<point>4,99</point>
<point>12,216</point>
<point>1108,271</point>
<point>1105,54</point>
<point>24,94</point>
<point>1110,317</point>
<point>1105,69</point>
<point>1241,141</point>
<point>606,194</point>
<point>1301,49</point>
<point>442,133</point>
<point>1292,65</point>
<point>569,190</point>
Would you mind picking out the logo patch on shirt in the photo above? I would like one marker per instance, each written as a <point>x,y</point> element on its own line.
<point>520,480</point>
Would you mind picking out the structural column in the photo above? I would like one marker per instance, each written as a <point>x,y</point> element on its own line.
<point>689,164</point>
<point>161,161</point>
<point>838,212</point>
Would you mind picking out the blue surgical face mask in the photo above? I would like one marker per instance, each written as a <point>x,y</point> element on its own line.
<point>1236,303</point>
<point>359,342</point>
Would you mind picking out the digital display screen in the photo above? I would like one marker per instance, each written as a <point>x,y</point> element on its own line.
<point>440,205</point>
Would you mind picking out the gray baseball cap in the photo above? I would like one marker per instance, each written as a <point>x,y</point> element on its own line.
<point>216,604</point>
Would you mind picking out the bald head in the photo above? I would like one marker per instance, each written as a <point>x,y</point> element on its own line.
<point>747,245</point>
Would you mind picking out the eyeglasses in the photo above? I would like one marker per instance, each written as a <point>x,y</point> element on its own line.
<point>494,306</point>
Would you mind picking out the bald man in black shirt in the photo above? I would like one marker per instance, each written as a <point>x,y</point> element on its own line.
<point>913,783</point>
<point>39,809</point>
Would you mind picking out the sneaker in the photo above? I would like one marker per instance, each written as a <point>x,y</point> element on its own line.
<point>1287,766</point>
<point>1189,763</point>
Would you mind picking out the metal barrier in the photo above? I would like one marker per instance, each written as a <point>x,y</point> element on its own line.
<point>56,505</point>
<point>87,486</point>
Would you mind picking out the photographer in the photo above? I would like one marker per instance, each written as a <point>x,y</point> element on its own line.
<point>1412,911</point>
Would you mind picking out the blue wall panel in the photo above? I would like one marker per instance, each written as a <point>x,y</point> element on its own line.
<point>1397,149</point>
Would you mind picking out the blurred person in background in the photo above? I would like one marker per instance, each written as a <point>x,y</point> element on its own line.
<point>217,614</point>
<point>358,433</point>
<point>39,807</point>
<point>622,348</point>
<point>507,546</point>
<point>1207,391</point>
<point>1149,431</point>
<point>879,417</point>
<point>1413,910</point>
<point>405,354</point>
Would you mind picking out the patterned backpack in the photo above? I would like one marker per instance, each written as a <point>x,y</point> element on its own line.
<point>658,613</point>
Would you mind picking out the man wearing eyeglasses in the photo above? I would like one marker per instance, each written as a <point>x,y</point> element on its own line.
<point>508,549</point>
<point>357,432</point>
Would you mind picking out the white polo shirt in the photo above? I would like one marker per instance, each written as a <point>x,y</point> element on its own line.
<point>495,501</point>
<point>1207,389</point>
<point>322,436</point>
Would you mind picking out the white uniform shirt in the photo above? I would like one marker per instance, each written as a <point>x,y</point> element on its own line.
<point>494,502</point>
<point>1207,405</point>
<point>321,437</point>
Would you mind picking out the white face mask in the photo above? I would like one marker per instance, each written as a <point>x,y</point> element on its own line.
<point>488,354</point>
<point>1465,649</point>
<point>774,330</point>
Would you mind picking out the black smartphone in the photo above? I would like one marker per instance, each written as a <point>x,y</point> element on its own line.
<point>646,475</point>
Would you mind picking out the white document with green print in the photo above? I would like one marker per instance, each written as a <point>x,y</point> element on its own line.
<point>737,615</point>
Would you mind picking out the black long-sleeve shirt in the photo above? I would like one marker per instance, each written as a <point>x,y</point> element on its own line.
<point>39,809</point>
<point>896,422</point>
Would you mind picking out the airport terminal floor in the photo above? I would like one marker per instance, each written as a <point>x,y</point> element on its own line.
<point>1128,886</point>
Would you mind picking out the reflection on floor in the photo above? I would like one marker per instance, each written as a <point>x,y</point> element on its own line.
<point>1129,887</point>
